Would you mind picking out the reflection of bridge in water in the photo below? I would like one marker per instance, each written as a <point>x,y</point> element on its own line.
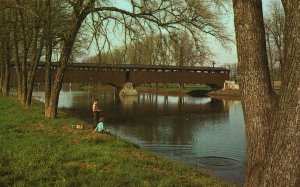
<point>117,75</point>
<point>158,104</point>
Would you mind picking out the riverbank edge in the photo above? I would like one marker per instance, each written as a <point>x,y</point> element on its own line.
<point>194,91</point>
<point>197,92</point>
<point>225,93</point>
<point>25,130</point>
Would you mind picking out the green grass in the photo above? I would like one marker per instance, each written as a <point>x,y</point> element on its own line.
<point>173,88</point>
<point>40,152</point>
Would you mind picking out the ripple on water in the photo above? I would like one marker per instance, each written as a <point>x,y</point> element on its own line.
<point>215,161</point>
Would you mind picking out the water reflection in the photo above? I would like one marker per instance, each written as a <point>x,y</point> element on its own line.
<point>207,133</point>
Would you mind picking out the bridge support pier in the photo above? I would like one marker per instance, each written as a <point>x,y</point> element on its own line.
<point>181,86</point>
<point>128,90</point>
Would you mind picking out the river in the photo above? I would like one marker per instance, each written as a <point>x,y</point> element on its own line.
<point>204,132</point>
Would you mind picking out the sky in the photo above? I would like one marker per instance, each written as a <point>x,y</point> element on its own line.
<point>221,55</point>
<point>229,55</point>
<point>225,55</point>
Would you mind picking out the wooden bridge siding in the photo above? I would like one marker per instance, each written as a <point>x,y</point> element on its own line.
<point>78,76</point>
<point>118,78</point>
<point>216,79</point>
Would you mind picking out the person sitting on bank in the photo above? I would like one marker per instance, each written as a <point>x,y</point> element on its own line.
<point>100,126</point>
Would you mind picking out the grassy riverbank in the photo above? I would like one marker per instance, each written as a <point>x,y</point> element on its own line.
<point>39,152</point>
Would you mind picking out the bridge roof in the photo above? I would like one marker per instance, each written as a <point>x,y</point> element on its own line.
<point>138,66</point>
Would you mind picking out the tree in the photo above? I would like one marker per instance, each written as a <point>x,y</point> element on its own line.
<point>34,33</point>
<point>148,50</point>
<point>272,121</point>
<point>233,70</point>
<point>5,47</point>
<point>156,50</point>
<point>274,24</point>
<point>56,15</point>
<point>27,44</point>
<point>157,16</point>
<point>186,53</point>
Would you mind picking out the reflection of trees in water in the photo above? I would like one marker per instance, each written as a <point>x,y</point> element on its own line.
<point>171,118</point>
<point>147,105</point>
<point>153,104</point>
<point>159,118</point>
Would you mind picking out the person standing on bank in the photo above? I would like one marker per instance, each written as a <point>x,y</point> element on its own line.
<point>96,113</point>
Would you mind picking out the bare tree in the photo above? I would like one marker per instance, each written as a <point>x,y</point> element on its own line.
<point>186,53</point>
<point>5,47</point>
<point>274,25</point>
<point>144,51</point>
<point>272,121</point>
<point>56,17</point>
<point>159,16</point>
<point>26,44</point>
<point>233,70</point>
<point>28,23</point>
<point>157,50</point>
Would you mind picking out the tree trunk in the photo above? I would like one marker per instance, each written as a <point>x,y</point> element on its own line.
<point>34,65</point>
<point>2,66</point>
<point>5,87</point>
<point>48,36</point>
<point>283,168</point>
<point>5,58</point>
<point>272,125</point>
<point>48,73</point>
<point>6,53</point>
<point>51,108</point>
<point>17,63</point>
<point>24,88</point>
<point>25,48</point>
<point>257,95</point>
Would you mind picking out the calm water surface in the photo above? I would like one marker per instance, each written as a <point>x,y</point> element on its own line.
<point>204,132</point>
